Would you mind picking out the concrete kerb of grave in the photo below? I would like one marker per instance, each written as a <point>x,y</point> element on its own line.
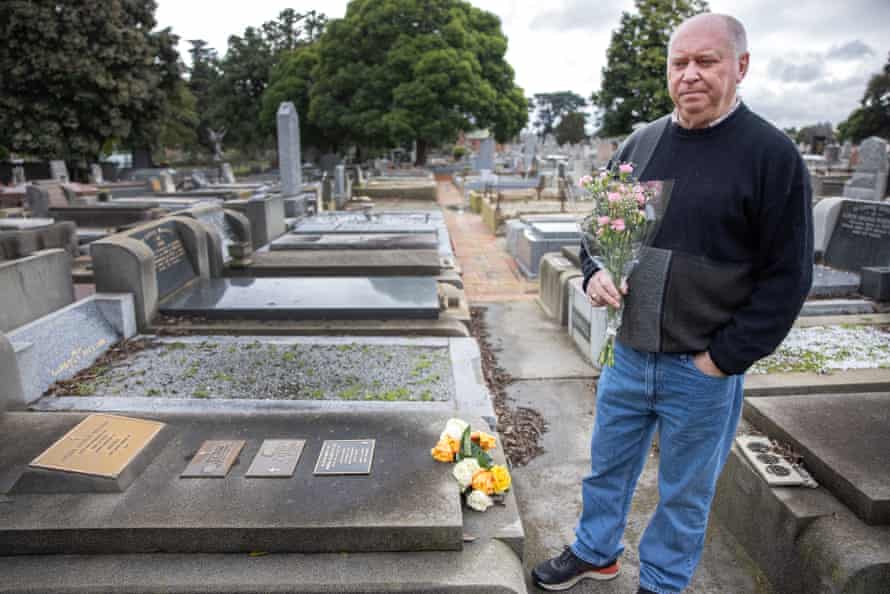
<point>266,216</point>
<point>470,396</point>
<point>123,263</point>
<point>556,272</point>
<point>11,390</point>
<point>33,286</point>
<point>58,345</point>
<point>805,540</point>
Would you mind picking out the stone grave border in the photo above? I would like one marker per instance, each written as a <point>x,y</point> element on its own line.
<point>471,394</point>
<point>36,352</point>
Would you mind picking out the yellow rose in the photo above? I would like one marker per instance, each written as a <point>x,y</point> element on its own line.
<point>454,444</point>
<point>483,481</point>
<point>502,480</point>
<point>443,452</point>
<point>485,441</point>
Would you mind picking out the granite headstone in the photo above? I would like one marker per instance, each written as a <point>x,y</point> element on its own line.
<point>861,236</point>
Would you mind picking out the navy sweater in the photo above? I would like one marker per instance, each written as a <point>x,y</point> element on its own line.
<point>741,195</point>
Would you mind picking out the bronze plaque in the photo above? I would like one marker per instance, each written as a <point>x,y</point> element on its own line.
<point>345,456</point>
<point>214,459</point>
<point>277,458</point>
<point>100,445</point>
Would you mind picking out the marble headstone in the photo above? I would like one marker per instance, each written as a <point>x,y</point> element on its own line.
<point>96,176</point>
<point>289,149</point>
<point>167,184</point>
<point>485,160</point>
<point>18,175</point>
<point>59,171</point>
<point>869,182</point>
<point>226,173</point>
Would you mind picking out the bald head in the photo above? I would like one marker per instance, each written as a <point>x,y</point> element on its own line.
<point>731,28</point>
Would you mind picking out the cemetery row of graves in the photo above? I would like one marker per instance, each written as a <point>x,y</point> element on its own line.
<point>198,369</point>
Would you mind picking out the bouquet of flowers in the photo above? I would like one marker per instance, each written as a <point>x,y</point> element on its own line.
<point>623,215</point>
<point>481,481</point>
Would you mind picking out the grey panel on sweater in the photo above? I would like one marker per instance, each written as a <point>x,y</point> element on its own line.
<point>641,322</point>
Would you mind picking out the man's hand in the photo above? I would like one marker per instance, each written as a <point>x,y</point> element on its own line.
<point>602,291</point>
<point>706,365</point>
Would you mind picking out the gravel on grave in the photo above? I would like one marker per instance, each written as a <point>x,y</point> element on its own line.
<point>276,371</point>
<point>828,349</point>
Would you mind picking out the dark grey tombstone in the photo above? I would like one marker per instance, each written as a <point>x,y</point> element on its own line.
<point>875,282</point>
<point>861,236</point>
<point>172,264</point>
<point>37,200</point>
<point>357,241</point>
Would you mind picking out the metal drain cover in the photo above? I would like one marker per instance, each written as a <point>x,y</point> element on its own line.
<point>774,469</point>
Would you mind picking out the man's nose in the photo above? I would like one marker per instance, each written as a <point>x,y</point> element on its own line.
<point>691,72</point>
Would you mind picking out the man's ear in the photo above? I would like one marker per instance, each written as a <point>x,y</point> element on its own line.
<point>744,62</point>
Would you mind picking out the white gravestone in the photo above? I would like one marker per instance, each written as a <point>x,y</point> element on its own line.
<point>869,181</point>
<point>289,150</point>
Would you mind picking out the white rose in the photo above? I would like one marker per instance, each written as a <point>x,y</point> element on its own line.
<point>479,501</point>
<point>464,471</point>
<point>454,428</point>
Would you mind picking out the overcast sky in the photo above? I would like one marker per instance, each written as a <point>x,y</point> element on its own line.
<point>810,59</point>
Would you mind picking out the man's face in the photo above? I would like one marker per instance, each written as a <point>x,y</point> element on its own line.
<point>703,72</point>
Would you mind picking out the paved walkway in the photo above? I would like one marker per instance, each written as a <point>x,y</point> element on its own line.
<point>490,274</point>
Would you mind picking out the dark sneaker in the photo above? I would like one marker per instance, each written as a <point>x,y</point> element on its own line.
<point>566,570</point>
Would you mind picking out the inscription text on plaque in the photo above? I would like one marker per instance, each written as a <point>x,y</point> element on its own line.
<point>214,459</point>
<point>276,458</point>
<point>345,456</point>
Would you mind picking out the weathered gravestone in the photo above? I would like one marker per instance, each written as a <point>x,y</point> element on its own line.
<point>151,261</point>
<point>227,176</point>
<point>168,186</point>
<point>59,171</point>
<point>540,238</point>
<point>485,159</point>
<point>18,175</point>
<point>227,231</point>
<point>860,236</point>
<point>869,181</point>
<point>96,176</point>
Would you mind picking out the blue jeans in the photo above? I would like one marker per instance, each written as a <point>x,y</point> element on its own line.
<point>696,416</point>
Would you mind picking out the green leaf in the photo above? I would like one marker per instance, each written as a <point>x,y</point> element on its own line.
<point>466,445</point>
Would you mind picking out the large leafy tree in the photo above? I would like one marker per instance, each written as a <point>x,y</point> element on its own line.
<point>570,129</point>
<point>393,71</point>
<point>245,73</point>
<point>76,75</point>
<point>872,118</point>
<point>203,76</point>
<point>551,107</point>
<point>633,81</point>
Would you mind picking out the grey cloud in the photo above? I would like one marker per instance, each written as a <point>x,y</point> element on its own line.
<point>797,71</point>
<point>850,51</point>
<point>578,14</point>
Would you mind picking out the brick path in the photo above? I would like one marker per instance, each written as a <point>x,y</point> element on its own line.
<point>489,272</point>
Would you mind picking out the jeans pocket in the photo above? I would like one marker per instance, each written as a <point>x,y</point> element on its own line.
<point>688,360</point>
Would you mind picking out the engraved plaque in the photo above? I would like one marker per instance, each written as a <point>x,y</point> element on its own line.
<point>276,458</point>
<point>345,456</point>
<point>861,236</point>
<point>172,264</point>
<point>214,459</point>
<point>100,445</point>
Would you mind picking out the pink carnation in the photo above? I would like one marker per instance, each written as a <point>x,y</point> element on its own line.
<point>618,225</point>
<point>585,180</point>
<point>613,196</point>
<point>603,221</point>
<point>626,168</point>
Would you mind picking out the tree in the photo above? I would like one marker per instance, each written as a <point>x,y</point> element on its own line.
<point>570,129</point>
<point>393,71</point>
<point>245,73</point>
<point>203,76</point>
<point>818,133</point>
<point>551,107</point>
<point>79,74</point>
<point>292,80</point>
<point>633,81</point>
<point>873,117</point>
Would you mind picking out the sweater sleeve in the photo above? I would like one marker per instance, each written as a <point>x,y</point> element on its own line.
<point>784,275</point>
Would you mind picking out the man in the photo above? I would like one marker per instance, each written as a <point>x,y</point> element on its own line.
<point>719,288</point>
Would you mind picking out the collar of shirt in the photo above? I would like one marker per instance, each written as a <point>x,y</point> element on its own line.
<point>675,118</point>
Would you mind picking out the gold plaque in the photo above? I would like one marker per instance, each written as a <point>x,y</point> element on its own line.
<point>100,445</point>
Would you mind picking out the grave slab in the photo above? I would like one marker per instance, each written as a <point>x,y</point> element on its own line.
<point>407,503</point>
<point>339,298</point>
<point>844,442</point>
<point>356,241</point>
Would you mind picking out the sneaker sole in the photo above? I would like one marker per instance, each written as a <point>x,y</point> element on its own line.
<point>590,575</point>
